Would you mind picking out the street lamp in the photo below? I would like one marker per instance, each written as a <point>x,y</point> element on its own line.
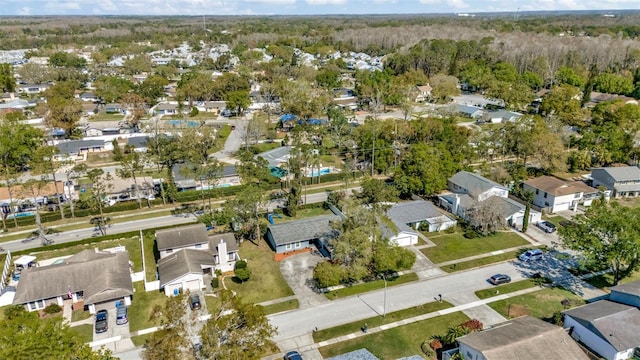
<point>384,311</point>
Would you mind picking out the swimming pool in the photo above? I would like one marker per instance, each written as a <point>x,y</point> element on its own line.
<point>323,171</point>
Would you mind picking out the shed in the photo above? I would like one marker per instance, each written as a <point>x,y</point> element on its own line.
<point>24,261</point>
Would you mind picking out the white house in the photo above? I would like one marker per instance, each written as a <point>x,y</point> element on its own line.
<point>606,327</point>
<point>478,187</point>
<point>624,181</point>
<point>409,217</point>
<point>559,195</point>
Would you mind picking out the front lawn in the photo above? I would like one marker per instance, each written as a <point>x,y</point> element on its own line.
<point>281,306</point>
<point>541,304</point>
<point>142,305</point>
<point>456,246</point>
<point>370,286</point>
<point>336,331</point>
<point>397,342</point>
<point>266,282</point>
<point>77,315</point>
<point>506,288</point>
<point>555,219</point>
<point>85,332</point>
<point>605,281</point>
<point>509,255</point>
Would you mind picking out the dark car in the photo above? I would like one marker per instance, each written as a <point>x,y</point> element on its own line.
<point>292,355</point>
<point>194,301</point>
<point>122,316</point>
<point>102,321</point>
<point>498,279</point>
<point>546,226</point>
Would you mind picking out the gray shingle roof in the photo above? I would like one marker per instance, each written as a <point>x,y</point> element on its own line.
<point>229,239</point>
<point>362,354</point>
<point>632,288</point>
<point>623,173</point>
<point>276,156</point>
<point>604,318</point>
<point>102,276</point>
<point>138,142</point>
<point>181,236</point>
<point>413,211</point>
<point>181,263</point>
<point>505,206</point>
<point>75,146</point>
<point>524,338</point>
<point>304,229</point>
<point>474,183</point>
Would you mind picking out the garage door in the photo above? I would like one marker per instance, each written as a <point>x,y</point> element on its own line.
<point>561,207</point>
<point>405,240</point>
<point>193,285</point>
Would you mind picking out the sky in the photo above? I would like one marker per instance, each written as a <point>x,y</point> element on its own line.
<point>296,7</point>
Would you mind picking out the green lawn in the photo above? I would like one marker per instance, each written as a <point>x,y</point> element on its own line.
<point>397,342</point>
<point>506,288</point>
<point>212,303</point>
<point>85,331</point>
<point>509,255</point>
<point>103,116</point>
<point>140,340</point>
<point>605,281</point>
<point>541,304</point>
<point>369,286</point>
<point>350,328</point>
<point>281,306</point>
<point>149,241</point>
<point>555,219</point>
<point>266,282</point>
<point>262,147</point>
<point>132,245</point>
<point>141,306</point>
<point>78,315</point>
<point>456,246</point>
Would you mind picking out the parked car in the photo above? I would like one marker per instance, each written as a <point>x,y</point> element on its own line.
<point>122,316</point>
<point>498,279</point>
<point>292,355</point>
<point>194,301</point>
<point>546,226</point>
<point>531,255</point>
<point>102,321</point>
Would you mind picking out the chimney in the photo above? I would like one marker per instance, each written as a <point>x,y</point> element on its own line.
<point>222,252</point>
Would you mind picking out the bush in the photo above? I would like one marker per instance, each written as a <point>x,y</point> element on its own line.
<point>325,274</point>
<point>52,309</point>
<point>470,234</point>
<point>241,271</point>
<point>215,283</point>
<point>194,112</point>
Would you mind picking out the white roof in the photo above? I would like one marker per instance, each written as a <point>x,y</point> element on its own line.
<point>24,260</point>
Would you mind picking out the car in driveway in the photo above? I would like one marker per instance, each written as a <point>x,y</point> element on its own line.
<point>122,316</point>
<point>102,321</point>
<point>531,255</point>
<point>194,302</point>
<point>546,226</point>
<point>498,279</point>
<point>292,355</point>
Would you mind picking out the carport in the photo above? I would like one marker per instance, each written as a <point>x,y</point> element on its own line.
<point>25,261</point>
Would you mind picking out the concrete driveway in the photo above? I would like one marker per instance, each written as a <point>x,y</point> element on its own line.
<point>298,272</point>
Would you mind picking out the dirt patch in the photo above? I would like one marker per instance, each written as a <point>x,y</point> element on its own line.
<point>282,256</point>
<point>515,311</point>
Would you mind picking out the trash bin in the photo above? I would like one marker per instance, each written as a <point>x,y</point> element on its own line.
<point>118,304</point>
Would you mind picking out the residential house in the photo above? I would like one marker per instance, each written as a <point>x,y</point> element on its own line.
<point>15,104</point>
<point>500,116</point>
<point>277,156</point>
<point>113,108</point>
<point>423,93</point>
<point>227,176</point>
<point>92,132</point>
<point>89,97</point>
<point>166,109</point>
<point>139,143</point>
<point>472,112</point>
<point>409,217</point>
<point>469,189</point>
<point>98,279</point>
<point>628,293</point>
<point>72,149</point>
<point>187,254</point>
<point>608,328</point>
<point>624,181</point>
<point>345,98</point>
<point>598,97</point>
<point>523,338</point>
<point>31,89</point>
<point>360,354</point>
<point>555,195</point>
<point>302,234</point>
<point>215,107</point>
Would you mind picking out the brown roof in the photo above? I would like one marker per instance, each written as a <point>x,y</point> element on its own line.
<point>181,236</point>
<point>524,338</point>
<point>102,276</point>
<point>18,192</point>
<point>557,187</point>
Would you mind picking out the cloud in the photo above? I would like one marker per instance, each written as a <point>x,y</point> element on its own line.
<point>429,2</point>
<point>326,2</point>
<point>457,4</point>
<point>24,11</point>
<point>274,2</point>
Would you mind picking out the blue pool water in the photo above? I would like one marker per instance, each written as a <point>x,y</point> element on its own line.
<point>324,171</point>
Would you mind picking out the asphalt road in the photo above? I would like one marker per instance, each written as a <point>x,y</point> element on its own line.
<point>371,304</point>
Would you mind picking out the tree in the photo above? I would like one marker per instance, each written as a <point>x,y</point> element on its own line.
<point>171,342</point>
<point>74,171</point>
<point>152,88</point>
<point>25,336</point>
<point>7,81</point>
<point>485,217</point>
<point>424,170</point>
<point>326,274</point>
<point>236,330</point>
<point>256,129</point>
<point>528,197</point>
<point>444,88</point>
<point>166,151</point>
<point>62,109</point>
<point>376,191</point>
<point>238,100</point>
<point>33,189</point>
<point>64,59</point>
<point>130,165</point>
<point>101,185</point>
<point>241,271</point>
<point>607,234</point>
<point>247,206</point>
<point>112,88</point>
<point>43,163</point>
<point>32,73</point>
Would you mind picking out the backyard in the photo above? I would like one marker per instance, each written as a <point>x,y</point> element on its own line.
<point>397,342</point>
<point>142,305</point>
<point>302,214</point>
<point>456,246</point>
<point>266,281</point>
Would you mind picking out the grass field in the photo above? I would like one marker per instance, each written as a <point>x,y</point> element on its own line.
<point>506,288</point>
<point>266,282</point>
<point>141,306</point>
<point>456,246</point>
<point>303,214</point>
<point>350,328</point>
<point>78,315</point>
<point>541,304</point>
<point>281,306</point>
<point>397,342</point>
<point>370,286</point>
<point>85,332</point>
<point>509,255</point>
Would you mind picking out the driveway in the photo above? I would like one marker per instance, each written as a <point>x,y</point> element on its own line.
<point>298,272</point>
<point>113,331</point>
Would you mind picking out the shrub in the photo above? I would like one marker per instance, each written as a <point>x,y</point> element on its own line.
<point>470,234</point>
<point>194,112</point>
<point>241,271</point>
<point>215,283</point>
<point>52,309</point>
